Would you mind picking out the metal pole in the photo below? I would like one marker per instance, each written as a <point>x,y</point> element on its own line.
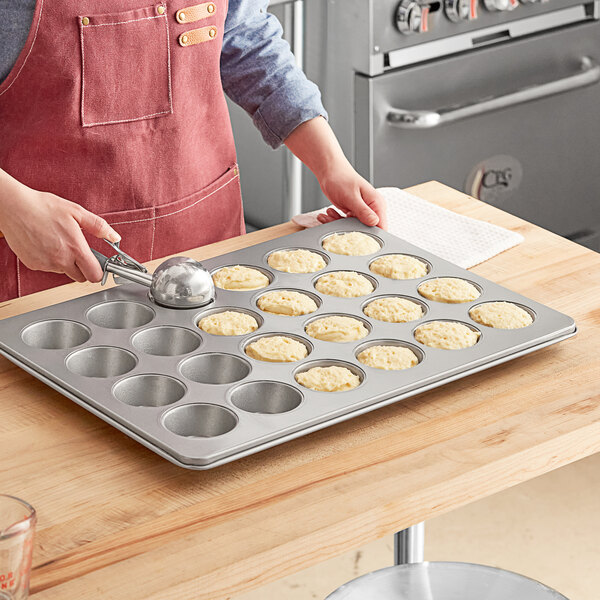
<point>409,545</point>
<point>292,174</point>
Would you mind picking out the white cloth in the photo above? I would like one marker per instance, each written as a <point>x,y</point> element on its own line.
<point>464,241</point>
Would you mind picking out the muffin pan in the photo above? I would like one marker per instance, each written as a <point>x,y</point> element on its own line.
<point>199,401</point>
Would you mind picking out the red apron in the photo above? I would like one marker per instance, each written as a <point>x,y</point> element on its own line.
<point>123,112</point>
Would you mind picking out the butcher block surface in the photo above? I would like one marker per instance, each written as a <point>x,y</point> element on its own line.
<point>117,522</point>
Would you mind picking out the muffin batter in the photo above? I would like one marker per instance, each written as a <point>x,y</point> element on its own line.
<point>394,310</point>
<point>296,261</point>
<point>352,243</point>
<point>240,278</point>
<point>337,329</point>
<point>328,379</point>
<point>228,322</point>
<point>399,266</point>
<point>501,315</point>
<point>287,302</point>
<point>277,348</point>
<point>449,290</point>
<point>344,284</point>
<point>447,335</point>
<point>389,358</point>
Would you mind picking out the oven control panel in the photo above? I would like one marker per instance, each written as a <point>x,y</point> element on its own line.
<point>450,16</point>
<point>425,16</point>
<point>394,33</point>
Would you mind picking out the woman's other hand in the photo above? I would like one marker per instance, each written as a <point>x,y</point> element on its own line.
<point>45,231</point>
<point>315,144</point>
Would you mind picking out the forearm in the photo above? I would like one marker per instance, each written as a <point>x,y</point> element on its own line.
<point>315,144</point>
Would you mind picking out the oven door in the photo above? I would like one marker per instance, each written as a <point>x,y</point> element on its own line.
<point>516,125</point>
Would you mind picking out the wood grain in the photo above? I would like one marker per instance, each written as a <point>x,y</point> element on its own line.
<point>118,522</point>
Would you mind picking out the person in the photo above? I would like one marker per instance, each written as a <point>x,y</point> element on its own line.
<point>113,124</point>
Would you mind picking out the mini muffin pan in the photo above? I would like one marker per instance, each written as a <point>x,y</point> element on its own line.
<point>199,401</point>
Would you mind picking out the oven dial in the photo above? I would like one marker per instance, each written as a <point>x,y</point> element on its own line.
<point>457,10</point>
<point>501,4</point>
<point>408,16</point>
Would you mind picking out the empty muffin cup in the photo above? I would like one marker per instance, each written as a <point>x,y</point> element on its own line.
<point>266,397</point>
<point>101,361</point>
<point>120,314</point>
<point>199,420</point>
<point>149,390</point>
<point>55,334</point>
<point>166,341</point>
<point>214,368</point>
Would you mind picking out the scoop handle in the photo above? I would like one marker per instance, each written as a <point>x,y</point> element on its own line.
<point>122,271</point>
<point>101,258</point>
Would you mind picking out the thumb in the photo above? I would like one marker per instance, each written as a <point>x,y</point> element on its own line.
<point>96,225</point>
<point>376,202</point>
<point>362,210</point>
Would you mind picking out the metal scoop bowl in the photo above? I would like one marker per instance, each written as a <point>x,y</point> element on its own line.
<point>179,282</point>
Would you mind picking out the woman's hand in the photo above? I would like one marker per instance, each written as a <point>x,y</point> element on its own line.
<point>315,144</point>
<point>353,195</point>
<point>44,231</point>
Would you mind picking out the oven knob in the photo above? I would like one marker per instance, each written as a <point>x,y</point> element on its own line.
<point>457,10</point>
<point>494,5</point>
<point>408,16</point>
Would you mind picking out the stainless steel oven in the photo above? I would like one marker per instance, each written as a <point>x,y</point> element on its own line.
<point>499,98</point>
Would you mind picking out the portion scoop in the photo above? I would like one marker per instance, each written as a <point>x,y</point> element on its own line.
<point>179,282</point>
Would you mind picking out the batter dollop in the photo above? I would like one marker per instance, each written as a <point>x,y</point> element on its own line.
<point>450,290</point>
<point>240,278</point>
<point>296,261</point>
<point>344,284</point>
<point>328,379</point>
<point>447,335</point>
<point>228,322</point>
<point>353,243</point>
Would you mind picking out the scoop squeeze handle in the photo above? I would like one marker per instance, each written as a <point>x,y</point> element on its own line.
<point>101,258</point>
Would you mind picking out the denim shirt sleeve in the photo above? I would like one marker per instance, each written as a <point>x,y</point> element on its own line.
<point>259,72</point>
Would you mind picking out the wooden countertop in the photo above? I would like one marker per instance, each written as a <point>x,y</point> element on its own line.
<point>117,522</point>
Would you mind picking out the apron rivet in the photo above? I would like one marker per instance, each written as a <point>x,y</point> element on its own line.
<point>212,33</point>
<point>210,8</point>
<point>184,39</point>
<point>85,21</point>
<point>161,10</point>
<point>181,17</point>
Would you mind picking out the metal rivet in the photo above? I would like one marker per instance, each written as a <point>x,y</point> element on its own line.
<point>85,21</point>
<point>161,10</point>
<point>212,33</point>
<point>181,17</point>
<point>210,8</point>
<point>184,39</point>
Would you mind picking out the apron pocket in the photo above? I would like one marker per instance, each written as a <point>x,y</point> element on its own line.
<point>125,66</point>
<point>209,215</point>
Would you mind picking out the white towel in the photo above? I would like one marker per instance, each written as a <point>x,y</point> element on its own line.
<point>464,241</point>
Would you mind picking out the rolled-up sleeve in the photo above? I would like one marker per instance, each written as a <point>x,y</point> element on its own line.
<point>259,72</point>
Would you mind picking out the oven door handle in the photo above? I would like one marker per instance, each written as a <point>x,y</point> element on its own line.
<point>588,74</point>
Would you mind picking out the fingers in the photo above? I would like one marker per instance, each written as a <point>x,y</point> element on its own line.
<point>329,215</point>
<point>358,206</point>
<point>95,225</point>
<point>334,214</point>
<point>88,264</point>
<point>75,273</point>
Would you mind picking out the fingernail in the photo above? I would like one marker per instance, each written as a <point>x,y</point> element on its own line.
<point>115,237</point>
